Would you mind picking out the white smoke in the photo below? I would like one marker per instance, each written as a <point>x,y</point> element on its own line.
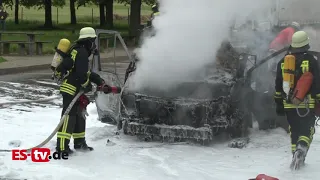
<point>188,34</point>
<point>314,38</point>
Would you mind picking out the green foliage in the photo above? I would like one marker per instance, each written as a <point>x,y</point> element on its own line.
<point>149,2</point>
<point>84,3</point>
<point>58,3</point>
<point>32,3</point>
<point>8,3</point>
<point>2,59</point>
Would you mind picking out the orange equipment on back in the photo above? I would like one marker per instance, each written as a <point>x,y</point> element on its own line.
<point>288,73</point>
<point>303,86</point>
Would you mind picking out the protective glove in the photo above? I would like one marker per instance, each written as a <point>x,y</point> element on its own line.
<point>83,103</point>
<point>84,114</point>
<point>109,89</point>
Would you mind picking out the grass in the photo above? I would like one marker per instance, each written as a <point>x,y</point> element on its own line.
<point>2,59</point>
<point>62,15</point>
<point>33,20</point>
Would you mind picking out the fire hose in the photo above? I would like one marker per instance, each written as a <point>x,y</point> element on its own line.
<point>58,126</point>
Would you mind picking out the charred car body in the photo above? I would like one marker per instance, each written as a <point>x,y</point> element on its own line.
<point>196,110</point>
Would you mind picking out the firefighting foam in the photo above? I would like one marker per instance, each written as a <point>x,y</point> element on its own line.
<point>188,34</point>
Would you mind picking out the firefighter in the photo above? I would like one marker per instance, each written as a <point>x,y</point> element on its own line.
<point>79,77</point>
<point>300,114</point>
<point>155,12</point>
<point>282,40</point>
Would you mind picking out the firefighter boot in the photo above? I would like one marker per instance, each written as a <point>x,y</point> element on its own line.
<point>299,157</point>
<point>81,145</point>
<point>63,146</point>
<point>64,135</point>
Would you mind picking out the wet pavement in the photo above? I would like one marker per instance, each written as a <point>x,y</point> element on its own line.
<point>38,85</point>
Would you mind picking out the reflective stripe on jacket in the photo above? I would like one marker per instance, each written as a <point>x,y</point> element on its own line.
<point>79,74</point>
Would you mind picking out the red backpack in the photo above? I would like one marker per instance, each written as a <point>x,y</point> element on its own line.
<point>264,177</point>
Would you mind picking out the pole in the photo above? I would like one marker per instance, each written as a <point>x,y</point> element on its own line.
<point>21,13</point>
<point>57,15</point>
<point>92,15</point>
<point>128,16</point>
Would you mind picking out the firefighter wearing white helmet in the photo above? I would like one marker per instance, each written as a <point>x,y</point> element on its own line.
<point>297,88</point>
<point>80,77</point>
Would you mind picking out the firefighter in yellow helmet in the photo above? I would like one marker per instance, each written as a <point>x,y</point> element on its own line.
<point>79,77</point>
<point>297,91</point>
<point>155,12</point>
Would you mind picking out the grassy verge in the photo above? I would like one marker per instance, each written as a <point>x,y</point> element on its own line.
<point>33,20</point>
<point>68,31</point>
<point>62,15</point>
<point>2,59</point>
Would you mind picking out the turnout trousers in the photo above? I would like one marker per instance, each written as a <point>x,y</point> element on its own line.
<point>74,125</point>
<point>301,128</point>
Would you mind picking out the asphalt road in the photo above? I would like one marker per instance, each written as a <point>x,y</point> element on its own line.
<point>38,84</point>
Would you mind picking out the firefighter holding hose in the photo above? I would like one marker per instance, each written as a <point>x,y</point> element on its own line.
<point>297,91</point>
<point>75,65</point>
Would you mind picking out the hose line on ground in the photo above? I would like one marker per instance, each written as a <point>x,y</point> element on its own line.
<point>57,128</point>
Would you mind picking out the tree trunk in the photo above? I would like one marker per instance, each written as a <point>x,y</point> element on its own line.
<point>135,12</point>
<point>73,17</point>
<point>16,12</point>
<point>109,13</point>
<point>48,13</point>
<point>102,15</point>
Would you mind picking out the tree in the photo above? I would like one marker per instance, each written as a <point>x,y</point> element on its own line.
<point>48,14</point>
<point>9,4</point>
<point>16,12</point>
<point>135,14</point>
<point>135,17</point>
<point>73,17</point>
<point>47,5</point>
<point>109,13</point>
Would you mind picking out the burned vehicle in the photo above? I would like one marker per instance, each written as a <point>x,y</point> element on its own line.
<point>220,101</point>
<point>196,110</point>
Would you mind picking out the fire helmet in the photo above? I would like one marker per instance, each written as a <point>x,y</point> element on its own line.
<point>295,25</point>
<point>300,39</point>
<point>86,33</point>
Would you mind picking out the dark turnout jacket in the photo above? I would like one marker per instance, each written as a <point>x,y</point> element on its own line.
<point>80,76</point>
<point>305,62</point>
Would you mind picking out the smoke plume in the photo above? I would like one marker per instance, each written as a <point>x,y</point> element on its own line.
<point>188,34</point>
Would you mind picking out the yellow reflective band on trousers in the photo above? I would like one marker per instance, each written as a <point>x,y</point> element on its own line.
<point>312,131</point>
<point>309,104</point>
<point>305,139</point>
<point>85,84</point>
<point>277,95</point>
<point>293,148</point>
<point>68,88</point>
<point>78,135</point>
<point>63,135</point>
